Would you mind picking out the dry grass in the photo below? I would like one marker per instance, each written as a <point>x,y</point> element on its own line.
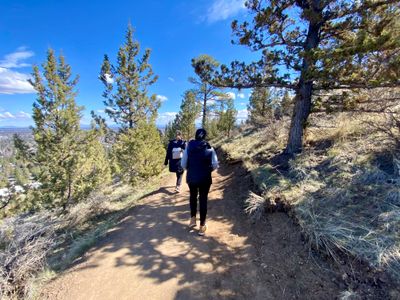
<point>255,206</point>
<point>25,242</point>
<point>34,245</point>
<point>344,188</point>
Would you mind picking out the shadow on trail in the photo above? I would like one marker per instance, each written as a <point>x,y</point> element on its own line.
<point>235,260</point>
<point>162,190</point>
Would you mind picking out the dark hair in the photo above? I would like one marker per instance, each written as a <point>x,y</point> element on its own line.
<point>200,134</point>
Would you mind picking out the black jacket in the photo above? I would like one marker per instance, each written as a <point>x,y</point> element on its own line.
<point>199,162</point>
<point>174,164</point>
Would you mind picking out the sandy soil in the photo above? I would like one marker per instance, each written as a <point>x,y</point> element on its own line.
<point>151,254</point>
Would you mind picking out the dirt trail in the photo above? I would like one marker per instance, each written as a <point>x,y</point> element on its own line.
<point>151,254</point>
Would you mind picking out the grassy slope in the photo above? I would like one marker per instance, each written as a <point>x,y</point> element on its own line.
<point>344,189</point>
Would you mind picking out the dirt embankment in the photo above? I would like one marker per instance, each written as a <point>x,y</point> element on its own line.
<point>151,254</point>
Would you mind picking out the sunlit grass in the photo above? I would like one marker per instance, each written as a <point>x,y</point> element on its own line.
<point>344,189</point>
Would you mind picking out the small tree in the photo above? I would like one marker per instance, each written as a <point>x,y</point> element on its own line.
<point>67,157</point>
<point>139,152</point>
<point>170,131</point>
<point>185,119</point>
<point>260,106</point>
<point>227,116</point>
<point>309,46</point>
<point>188,114</point>
<point>126,85</point>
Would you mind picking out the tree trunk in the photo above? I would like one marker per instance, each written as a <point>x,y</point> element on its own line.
<point>302,106</point>
<point>300,115</point>
<point>203,122</point>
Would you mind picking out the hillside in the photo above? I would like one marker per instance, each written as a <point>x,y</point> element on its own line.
<point>342,190</point>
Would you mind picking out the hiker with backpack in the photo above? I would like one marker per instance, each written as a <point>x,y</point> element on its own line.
<point>173,158</point>
<point>199,159</point>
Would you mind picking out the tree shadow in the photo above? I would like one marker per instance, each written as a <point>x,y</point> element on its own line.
<point>162,190</point>
<point>154,241</point>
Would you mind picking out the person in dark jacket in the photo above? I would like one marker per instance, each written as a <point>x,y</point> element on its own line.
<point>199,159</point>
<point>174,154</point>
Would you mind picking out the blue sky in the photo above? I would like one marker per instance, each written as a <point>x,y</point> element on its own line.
<point>84,31</point>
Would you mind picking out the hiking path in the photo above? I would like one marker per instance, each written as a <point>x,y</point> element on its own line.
<point>151,254</point>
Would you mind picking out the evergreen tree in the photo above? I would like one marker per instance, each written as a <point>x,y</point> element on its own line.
<point>286,104</point>
<point>309,46</point>
<point>188,113</point>
<point>206,93</point>
<point>227,116</point>
<point>139,152</point>
<point>185,119</point>
<point>260,106</point>
<point>212,128</point>
<point>170,131</point>
<point>126,85</point>
<point>67,157</point>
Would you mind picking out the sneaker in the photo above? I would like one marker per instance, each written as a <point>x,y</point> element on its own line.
<point>202,230</point>
<point>192,223</point>
<point>178,189</point>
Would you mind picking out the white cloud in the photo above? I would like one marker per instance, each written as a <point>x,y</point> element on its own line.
<point>241,95</point>
<point>231,95</point>
<point>162,98</point>
<point>242,103</point>
<point>14,60</point>
<point>165,117</point>
<point>100,111</point>
<point>242,115</point>
<point>7,115</point>
<point>171,79</point>
<point>223,9</point>
<point>23,115</point>
<point>11,81</point>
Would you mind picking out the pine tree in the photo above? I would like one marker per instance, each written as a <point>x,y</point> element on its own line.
<point>139,152</point>
<point>206,93</point>
<point>67,157</point>
<point>227,116</point>
<point>286,105</point>
<point>187,115</point>
<point>170,131</point>
<point>185,119</point>
<point>260,107</point>
<point>212,128</point>
<point>126,85</point>
<point>311,46</point>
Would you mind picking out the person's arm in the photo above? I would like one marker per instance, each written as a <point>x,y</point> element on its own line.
<point>184,159</point>
<point>214,160</point>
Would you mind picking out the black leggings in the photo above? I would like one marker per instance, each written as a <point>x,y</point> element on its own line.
<point>201,190</point>
<point>179,176</point>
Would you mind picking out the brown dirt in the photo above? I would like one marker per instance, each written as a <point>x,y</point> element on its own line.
<point>151,254</point>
